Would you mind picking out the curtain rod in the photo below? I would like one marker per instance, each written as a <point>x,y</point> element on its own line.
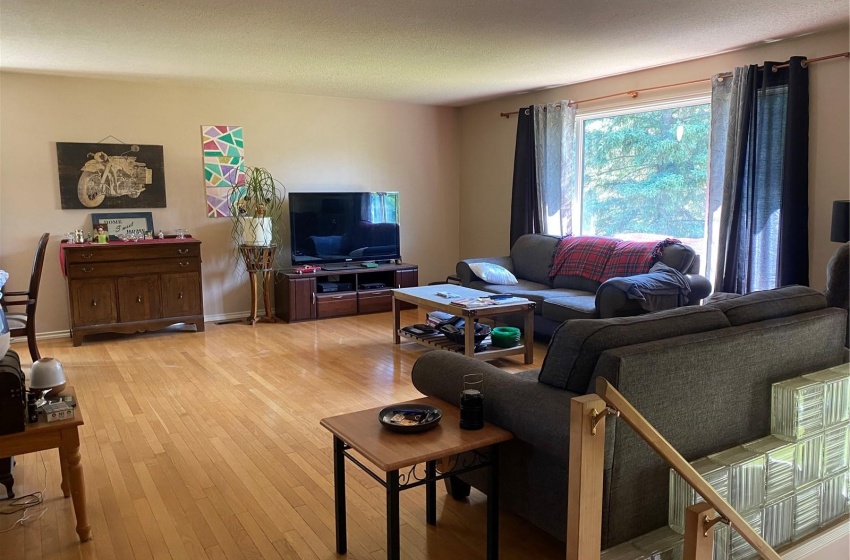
<point>634,92</point>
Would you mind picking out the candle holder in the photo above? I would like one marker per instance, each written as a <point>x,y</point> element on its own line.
<point>472,402</point>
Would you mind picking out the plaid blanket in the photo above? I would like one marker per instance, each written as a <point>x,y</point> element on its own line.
<point>601,258</point>
<point>634,257</point>
<point>583,256</point>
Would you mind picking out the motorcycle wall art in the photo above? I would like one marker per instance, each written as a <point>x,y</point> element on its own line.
<point>110,175</point>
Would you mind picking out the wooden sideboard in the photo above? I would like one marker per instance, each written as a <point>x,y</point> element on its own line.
<point>297,296</point>
<point>129,287</point>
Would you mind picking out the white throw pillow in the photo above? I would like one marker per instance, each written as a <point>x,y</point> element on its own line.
<point>493,273</point>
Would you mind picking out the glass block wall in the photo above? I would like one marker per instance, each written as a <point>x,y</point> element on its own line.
<point>785,485</point>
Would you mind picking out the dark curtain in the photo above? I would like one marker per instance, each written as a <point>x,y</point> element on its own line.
<point>767,243</point>
<point>525,209</point>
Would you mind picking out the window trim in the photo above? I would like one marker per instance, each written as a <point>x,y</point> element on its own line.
<point>703,98</point>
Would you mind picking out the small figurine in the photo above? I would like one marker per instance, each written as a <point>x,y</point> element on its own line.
<point>101,236</point>
<point>148,235</point>
<point>90,237</point>
<point>160,235</point>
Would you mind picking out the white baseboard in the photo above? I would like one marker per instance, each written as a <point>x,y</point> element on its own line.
<point>207,319</point>
<point>235,315</point>
<point>44,336</point>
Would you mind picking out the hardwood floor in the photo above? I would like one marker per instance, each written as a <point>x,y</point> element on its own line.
<point>208,445</point>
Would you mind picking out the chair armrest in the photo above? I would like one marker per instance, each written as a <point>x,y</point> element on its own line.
<point>466,275</point>
<point>700,288</point>
<point>534,412</point>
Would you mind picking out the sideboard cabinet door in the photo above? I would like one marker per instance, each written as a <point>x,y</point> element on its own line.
<point>93,301</point>
<point>138,298</point>
<point>181,294</point>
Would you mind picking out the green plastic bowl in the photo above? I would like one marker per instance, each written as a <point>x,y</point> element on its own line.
<point>505,337</point>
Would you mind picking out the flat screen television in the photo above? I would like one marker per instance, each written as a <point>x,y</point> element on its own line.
<point>339,227</point>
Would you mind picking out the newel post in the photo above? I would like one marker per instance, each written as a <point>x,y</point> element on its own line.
<point>700,520</point>
<point>587,464</point>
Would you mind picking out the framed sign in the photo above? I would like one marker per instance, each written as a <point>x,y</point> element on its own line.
<point>110,175</point>
<point>124,223</point>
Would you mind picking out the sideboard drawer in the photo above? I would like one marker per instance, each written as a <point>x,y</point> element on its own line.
<point>375,301</point>
<point>132,268</point>
<point>110,253</point>
<point>336,305</point>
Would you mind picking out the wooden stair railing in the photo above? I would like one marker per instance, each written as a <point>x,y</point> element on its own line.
<point>587,456</point>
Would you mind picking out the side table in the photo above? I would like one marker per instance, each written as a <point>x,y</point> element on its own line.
<point>259,259</point>
<point>398,456</point>
<point>62,435</point>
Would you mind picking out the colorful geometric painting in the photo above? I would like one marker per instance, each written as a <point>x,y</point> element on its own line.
<point>220,141</point>
<point>223,171</point>
<point>218,203</point>
<point>224,165</point>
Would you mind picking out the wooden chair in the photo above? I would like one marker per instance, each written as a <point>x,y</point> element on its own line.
<point>23,324</point>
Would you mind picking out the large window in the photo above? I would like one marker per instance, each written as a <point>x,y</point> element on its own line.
<point>643,174</point>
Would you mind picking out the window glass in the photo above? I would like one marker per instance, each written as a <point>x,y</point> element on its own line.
<point>644,175</point>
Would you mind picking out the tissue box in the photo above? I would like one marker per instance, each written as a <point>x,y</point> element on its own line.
<point>54,412</point>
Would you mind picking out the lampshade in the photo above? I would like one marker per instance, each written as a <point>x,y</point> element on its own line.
<point>840,221</point>
<point>47,373</point>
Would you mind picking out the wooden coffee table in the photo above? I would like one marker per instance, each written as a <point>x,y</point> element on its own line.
<point>426,297</point>
<point>399,457</point>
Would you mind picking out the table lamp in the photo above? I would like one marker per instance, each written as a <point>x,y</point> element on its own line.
<point>838,268</point>
<point>47,374</point>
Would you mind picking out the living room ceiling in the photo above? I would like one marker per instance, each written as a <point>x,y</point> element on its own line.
<point>443,52</point>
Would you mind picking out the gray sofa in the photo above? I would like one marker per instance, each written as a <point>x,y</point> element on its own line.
<point>701,375</point>
<point>572,297</point>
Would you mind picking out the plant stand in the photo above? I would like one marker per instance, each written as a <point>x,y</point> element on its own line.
<point>260,259</point>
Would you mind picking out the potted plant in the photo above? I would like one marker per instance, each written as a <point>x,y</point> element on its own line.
<point>256,207</point>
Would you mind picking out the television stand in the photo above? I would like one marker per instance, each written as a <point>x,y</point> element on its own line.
<point>297,298</point>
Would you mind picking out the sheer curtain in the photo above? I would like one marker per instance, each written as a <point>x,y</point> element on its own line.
<point>759,173</point>
<point>555,147</point>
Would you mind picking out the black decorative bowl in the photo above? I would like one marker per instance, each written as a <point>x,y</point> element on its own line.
<point>410,418</point>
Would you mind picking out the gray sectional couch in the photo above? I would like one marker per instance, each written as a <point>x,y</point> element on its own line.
<point>572,297</point>
<point>701,375</point>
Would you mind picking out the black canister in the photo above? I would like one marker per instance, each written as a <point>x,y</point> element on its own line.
<point>472,402</point>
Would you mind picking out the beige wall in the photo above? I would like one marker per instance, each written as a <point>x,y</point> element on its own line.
<point>310,143</point>
<point>487,140</point>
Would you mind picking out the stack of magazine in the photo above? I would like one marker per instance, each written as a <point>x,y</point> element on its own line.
<point>486,301</point>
